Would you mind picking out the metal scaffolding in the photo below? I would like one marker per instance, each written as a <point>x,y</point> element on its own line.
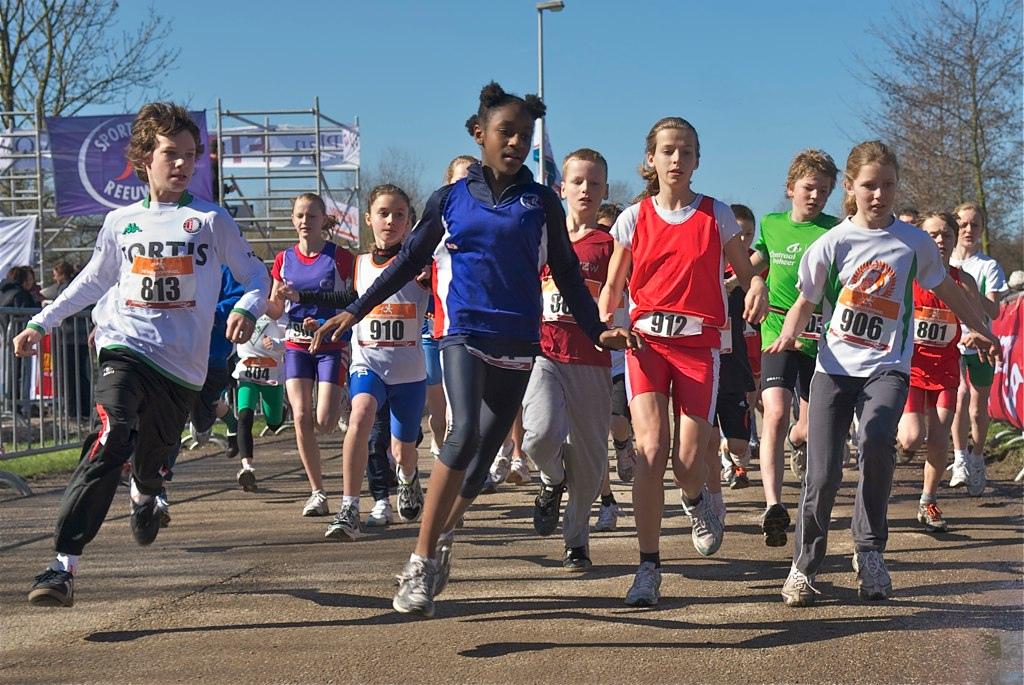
<point>260,196</point>
<point>22,192</point>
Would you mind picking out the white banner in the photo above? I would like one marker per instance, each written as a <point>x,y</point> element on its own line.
<point>339,148</point>
<point>17,240</point>
<point>22,145</point>
<point>347,216</point>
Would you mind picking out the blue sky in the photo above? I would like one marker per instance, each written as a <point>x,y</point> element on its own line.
<point>760,81</point>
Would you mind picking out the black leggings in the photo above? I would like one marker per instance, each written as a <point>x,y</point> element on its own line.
<point>484,400</point>
<point>244,433</point>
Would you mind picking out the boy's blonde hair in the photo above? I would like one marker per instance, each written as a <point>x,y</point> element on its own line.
<point>585,154</point>
<point>809,162</point>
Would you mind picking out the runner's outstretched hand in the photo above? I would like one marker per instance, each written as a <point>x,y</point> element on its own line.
<point>332,330</point>
<point>988,347</point>
<point>619,339</point>
<point>239,328</point>
<point>26,343</point>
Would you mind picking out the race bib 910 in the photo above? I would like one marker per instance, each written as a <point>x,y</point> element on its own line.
<point>160,283</point>
<point>390,325</point>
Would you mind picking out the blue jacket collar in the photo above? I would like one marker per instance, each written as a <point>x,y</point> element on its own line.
<point>479,189</point>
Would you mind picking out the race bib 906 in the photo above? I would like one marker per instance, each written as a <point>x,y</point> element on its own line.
<point>865,320</point>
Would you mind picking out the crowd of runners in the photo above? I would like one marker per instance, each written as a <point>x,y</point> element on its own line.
<point>529,332</point>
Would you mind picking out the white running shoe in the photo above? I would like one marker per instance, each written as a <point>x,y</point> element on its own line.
<point>519,472</point>
<point>646,586</point>
<point>316,505</point>
<point>719,506</point>
<point>607,518</point>
<point>872,575</point>
<point>976,479</point>
<point>798,459</point>
<point>500,469</point>
<point>798,591</point>
<point>445,550</point>
<point>708,530</point>
<point>960,474</point>
<point>381,515</point>
<point>415,593</point>
<point>410,496</point>
<point>345,524</point>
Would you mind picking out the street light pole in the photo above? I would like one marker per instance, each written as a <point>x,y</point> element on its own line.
<point>553,6</point>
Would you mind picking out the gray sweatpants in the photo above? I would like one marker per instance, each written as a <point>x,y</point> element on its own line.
<point>571,404</point>
<point>878,400</point>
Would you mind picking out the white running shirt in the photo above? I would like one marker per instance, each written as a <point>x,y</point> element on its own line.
<point>155,278</point>
<point>990,279</point>
<point>257,364</point>
<point>387,340</point>
<point>865,280</point>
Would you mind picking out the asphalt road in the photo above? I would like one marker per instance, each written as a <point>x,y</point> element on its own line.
<point>241,588</point>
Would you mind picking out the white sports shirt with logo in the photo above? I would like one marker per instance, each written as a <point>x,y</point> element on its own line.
<point>387,340</point>
<point>990,279</point>
<point>256,364</point>
<point>865,280</point>
<point>155,278</point>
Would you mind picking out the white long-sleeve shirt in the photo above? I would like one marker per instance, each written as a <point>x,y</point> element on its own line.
<point>155,276</point>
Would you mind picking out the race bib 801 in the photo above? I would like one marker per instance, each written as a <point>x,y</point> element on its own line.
<point>934,327</point>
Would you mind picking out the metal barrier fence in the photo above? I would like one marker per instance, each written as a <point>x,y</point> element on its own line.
<point>46,400</point>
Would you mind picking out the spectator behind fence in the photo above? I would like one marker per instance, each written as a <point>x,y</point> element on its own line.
<point>16,292</point>
<point>63,273</point>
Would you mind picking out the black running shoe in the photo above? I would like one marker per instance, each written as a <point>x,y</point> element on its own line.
<point>53,588</point>
<point>740,479</point>
<point>576,559</point>
<point>545,508</point>
<point>232,450</point>
<point>145,522</point>
<point>774,524</point>
<point>489,487</point>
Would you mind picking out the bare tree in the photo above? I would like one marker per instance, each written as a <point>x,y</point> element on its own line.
<point>949,101</point>
<point>622,193</point>
<point>57,56</point>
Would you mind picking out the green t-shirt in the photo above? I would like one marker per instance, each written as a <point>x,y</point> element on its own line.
<point>782,243</point>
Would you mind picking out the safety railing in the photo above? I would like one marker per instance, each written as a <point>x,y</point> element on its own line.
<point>45,400</point>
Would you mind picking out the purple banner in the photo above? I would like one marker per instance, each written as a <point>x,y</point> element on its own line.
<point>90,172</point>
